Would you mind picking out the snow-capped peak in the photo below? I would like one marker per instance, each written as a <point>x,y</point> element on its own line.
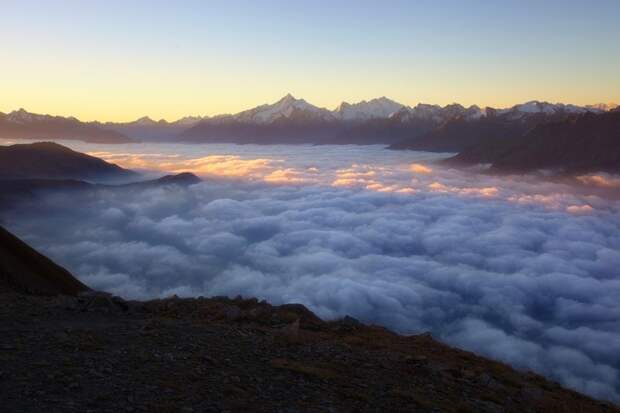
<point>283,108</point>
<point>376,108</point>
<point>189,120</point>
<point>535,106</point>
<point>546,108</point>
<point>23,116</point>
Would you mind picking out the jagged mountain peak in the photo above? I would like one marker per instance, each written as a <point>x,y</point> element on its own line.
<point>145,120</point>
<point>286,107</point>
<point>536,108</point>
<point>189,120</point>
<point>381,107</point>
<point>22,115</point>
<point>288,98</point>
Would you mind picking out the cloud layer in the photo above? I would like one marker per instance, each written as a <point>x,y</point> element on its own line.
<point>515,269</point>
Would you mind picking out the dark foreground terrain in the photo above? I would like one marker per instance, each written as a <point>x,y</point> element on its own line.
<point>76,350</point>
<point>94,353</point>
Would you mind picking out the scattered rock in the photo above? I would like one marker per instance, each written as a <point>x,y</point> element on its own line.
<point>232,313</point>
<point>218,355</point>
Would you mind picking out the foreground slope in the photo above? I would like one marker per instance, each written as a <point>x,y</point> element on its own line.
<point>98,353</point>
<point>24,270</point>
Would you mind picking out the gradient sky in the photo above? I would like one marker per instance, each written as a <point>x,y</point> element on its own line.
<point>119,60</point>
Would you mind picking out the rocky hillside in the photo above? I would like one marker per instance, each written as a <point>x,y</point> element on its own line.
<point>97,353</point>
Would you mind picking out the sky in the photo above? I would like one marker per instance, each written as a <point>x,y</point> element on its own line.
<point>118,60</point>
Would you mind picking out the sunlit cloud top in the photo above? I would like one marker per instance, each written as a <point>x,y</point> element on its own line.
<point>117,60</point>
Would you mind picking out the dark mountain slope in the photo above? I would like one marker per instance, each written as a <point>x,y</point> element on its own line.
<point>15,190</point>
<point>287,130</point>
<point>299,130</point>
<point>459,134</point>
<point>24,270</point>
<point>579,144</point>
<point>181,179</point>
<point>53,161</point>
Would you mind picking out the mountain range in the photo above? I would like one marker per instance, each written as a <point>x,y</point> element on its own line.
<point>477,135</point>
<point>579,144</point>
<point>289,120</point>
<point>21,124</point>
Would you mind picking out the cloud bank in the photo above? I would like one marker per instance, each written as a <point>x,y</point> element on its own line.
<point>515,269</point>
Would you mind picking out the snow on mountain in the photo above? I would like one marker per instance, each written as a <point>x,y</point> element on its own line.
<point>376,108</point>
<point>287,107</point>
<point>455,110</point>
<point>189,120</point>
<point>604,107</point>
<point>424,111</point>
<point>474,112</point>
<point>535,107</point>
<point>420,112</point>
<point>23,116</point>
<point>290,107</point>
<point>437,114</point>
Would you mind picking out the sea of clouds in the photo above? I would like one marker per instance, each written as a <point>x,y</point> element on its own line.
<point>520,269</point>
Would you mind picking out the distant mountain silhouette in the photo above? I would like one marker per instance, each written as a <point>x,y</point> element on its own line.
<point>49,160</point>
<point>15,190</point>
<point>21,124</point>
<point>379,121</point>
<point>459,134</point>
<point>148,130</point>
<point>294,121</point>
<point>22,269</point>
<point>182,179</point>
<point>580,143</point>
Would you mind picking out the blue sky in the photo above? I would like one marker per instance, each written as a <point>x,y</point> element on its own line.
<point>118,60</point>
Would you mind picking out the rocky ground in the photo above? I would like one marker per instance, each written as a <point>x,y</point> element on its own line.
<point>96,353</point>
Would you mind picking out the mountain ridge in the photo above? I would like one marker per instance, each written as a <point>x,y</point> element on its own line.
<point>25,270</point>
<point>578,144</point>
<point>21,124</point>
<point>383,107</point>
<point>51,160</point>
<point>295,121</point>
